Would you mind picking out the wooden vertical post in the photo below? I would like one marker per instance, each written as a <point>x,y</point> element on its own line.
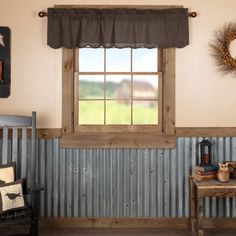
<point>169,90</point>
<point>67,92</point>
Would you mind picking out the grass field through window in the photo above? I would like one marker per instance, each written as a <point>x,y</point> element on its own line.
<point>92,112</point>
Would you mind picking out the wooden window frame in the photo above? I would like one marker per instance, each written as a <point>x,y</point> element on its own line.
<point>123,139</point>
<point>163,139</point>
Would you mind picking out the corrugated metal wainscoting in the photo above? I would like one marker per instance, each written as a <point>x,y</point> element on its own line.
<point>125,182</point>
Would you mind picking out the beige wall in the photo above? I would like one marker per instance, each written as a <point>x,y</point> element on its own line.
<point>203,98</point>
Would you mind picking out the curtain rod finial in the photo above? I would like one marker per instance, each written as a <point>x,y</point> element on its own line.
<point>193,14</point>
<point>42,14</point>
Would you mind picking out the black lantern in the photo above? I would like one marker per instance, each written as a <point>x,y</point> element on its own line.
<point>205,148</point>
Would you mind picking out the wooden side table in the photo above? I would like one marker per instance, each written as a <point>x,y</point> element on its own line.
<point>206,188</point>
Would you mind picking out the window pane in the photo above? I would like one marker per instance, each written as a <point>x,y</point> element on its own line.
<point>118,86</point>
<point>145,86</point>
<point>118,60</point>
<point>91,86</point>
<point>91,60</point>
<point>118,112</point>
<point>145,60</point>
<point>145,112</point>
<point>91,112</point>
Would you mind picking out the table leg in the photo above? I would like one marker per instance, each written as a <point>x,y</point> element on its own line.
<point>192,196</point>
<point>200,216</point>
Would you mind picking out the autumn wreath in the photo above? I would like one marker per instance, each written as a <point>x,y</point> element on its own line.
<point>220,48</point>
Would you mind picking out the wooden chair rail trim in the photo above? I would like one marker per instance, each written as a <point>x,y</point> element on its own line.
<point>49,133</point>
<point>205,131</point>
<point>40,133</point>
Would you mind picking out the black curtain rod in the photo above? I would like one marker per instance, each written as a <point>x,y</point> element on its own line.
<point>42,14</point>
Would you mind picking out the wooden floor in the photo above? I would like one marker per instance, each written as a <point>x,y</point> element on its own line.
<point>130,232</point>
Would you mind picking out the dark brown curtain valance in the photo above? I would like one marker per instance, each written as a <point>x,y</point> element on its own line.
<point>120,28</point>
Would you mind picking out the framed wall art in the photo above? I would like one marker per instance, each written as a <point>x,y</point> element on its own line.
<point>5,62</point>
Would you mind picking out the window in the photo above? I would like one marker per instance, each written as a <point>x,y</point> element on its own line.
<point>118,98</point>
<point>111,98</point>
<point>115,87</point>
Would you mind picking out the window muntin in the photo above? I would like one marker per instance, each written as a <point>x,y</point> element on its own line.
<point>123,88</point>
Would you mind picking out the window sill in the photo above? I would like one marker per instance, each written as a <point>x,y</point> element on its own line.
<point>118,140</point>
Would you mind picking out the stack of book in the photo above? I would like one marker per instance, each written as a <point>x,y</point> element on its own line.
<point>205,172</point>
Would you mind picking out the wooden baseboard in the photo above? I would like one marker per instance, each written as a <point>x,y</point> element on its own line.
<point>134,223</point>
<point>79,222</point>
